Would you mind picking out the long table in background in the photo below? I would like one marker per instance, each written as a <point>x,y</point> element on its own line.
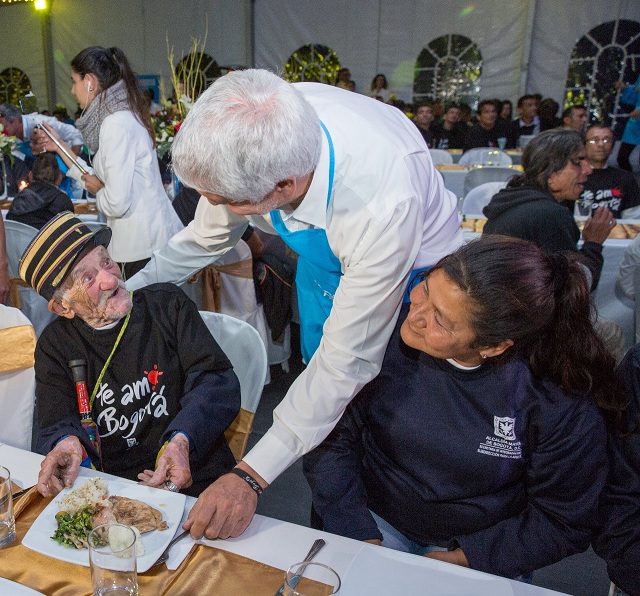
<point>609,303</point>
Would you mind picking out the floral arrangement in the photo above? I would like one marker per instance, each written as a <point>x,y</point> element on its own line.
<point>165,124</point>
<point>7,144</point>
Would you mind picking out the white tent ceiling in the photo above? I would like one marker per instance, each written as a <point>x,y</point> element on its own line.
<point>525,45</point>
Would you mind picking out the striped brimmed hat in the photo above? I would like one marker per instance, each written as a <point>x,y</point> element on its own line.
<point>50,256</point>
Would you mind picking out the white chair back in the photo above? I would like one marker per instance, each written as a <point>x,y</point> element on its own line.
<point>17,379</point>
<point>479,176</point>
<point>245,349</point>
<point>18,237</point>
<point>440,156</point>
<point>479,197</point>
<point>34,306</point>
<point>485,156</point>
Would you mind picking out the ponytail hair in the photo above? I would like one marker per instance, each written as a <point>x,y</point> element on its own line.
<point>110,65</point>
<point>541,302</point>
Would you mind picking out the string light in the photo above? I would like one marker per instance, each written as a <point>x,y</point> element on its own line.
<point>14,1</point>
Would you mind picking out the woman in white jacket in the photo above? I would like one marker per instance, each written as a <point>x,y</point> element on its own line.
<point>117,129</point>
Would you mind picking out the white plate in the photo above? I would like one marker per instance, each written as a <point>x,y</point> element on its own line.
<point>38,538</point>
<point>9,587</point>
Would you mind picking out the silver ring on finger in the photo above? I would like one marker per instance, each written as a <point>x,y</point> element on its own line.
<point>171,486</point>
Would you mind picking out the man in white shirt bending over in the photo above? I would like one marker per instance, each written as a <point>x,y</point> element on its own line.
<point>348,183</point>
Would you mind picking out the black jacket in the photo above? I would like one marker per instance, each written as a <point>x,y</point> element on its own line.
<point>37,203</point>
<point>529,213</point>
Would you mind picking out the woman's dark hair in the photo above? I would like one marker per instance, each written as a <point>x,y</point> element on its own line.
<point>384,84</point>
<point>110,65</point>
<point>541,302</point>
<point>547,153</point>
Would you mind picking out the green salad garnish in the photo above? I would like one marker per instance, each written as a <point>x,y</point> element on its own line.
<point>73,529</point>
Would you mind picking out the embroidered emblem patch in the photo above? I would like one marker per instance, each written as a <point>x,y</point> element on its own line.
<point>504,427</point>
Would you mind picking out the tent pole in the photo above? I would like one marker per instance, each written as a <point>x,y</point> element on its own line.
<point>49,62</point>
<point>528,41</point>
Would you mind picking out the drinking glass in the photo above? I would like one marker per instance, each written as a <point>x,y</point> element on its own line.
<point>584,207</point>
<point>502,142</point>
<point>7,521</point>
<point>112,558</point>
<point>311,579</point>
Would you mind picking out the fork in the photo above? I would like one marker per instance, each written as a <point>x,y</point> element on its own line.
<point>313,551</point>
<point>165,555</point>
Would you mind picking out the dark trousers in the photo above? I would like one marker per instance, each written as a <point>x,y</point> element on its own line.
<point>623,155</point>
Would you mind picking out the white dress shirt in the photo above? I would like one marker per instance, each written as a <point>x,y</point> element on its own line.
<point>389,213</point>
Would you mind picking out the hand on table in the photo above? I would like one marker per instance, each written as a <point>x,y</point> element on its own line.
<point>59,468</point>
<point>598,226</point>
<point>224,509</point>
<point>172,465</point>
<point>457,557</point>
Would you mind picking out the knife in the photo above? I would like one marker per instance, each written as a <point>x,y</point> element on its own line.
<point>313,551</point>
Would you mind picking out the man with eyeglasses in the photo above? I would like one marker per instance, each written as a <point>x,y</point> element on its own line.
<point>609,187</point>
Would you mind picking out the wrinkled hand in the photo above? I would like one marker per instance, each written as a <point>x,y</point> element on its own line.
<point>5,286</point>
<point>92,183</point>
<point>457,557</point>
<point>223,510</point>
<point>598,226</point>
<point>172,465</point>
<point>60,467</point>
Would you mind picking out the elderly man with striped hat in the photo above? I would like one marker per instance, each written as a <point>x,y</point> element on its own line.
<point>161,392</point>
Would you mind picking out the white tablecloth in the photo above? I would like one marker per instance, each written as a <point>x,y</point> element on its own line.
<point>281,544</point>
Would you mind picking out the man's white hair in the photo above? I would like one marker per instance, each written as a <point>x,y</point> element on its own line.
<point>247,132</point>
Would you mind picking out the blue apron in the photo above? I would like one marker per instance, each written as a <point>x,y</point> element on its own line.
<point>318,273</point>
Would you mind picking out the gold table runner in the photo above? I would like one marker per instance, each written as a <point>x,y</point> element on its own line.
<point>206,571</point>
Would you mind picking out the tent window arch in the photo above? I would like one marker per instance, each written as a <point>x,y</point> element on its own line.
<point>14,83</point>
<point>196,71</point>
<point>449,69</point>
<point>312,62</point>
<point>601,57</point>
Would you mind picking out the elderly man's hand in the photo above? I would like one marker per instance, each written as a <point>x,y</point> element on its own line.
<point>60,467</point>
<point>598,226</point>
<point>172,465</point>
<point>225,508</point>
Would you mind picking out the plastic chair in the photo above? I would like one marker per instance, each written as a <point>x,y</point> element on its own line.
<point>245,349</point>
<point>479,176</point>
<point>34,306</point>
<point>440,156</point>
<point>479,197</point>
<point>485,156</point>
<point>17,378</point>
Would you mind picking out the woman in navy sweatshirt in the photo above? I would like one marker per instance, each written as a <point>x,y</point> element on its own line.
<point>482,441</point>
